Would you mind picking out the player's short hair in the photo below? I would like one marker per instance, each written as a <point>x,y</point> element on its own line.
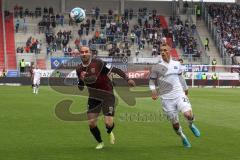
<point>84,48</point>
<point>180,60</point>
<point>165,45</point>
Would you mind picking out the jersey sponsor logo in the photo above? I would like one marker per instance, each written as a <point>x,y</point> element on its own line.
<point>111,109</point>
<point>175,67</point>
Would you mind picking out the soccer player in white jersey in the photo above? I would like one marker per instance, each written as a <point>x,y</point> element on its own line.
<point>164,78</point>
<point>36,76</point>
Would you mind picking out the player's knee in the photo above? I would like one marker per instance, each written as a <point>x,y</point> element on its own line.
<point>188,114</point>
<point>108,121</point>
<point>92,123</point>
<point>108,124</point>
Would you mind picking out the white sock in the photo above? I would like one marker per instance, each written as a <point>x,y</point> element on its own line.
<point>34,89</point>
<point>190,122</point>
<point>180,132</point>
<point>37,90</point>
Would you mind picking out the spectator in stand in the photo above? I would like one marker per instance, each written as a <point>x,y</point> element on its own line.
<point>93,22</point>
<point>39,46</point>
<point>45,10</point>
<point>132,35</point>
<point>65,42</point>
<point>62,19</point>
<point>206,44</point>
<point>54,46</point>
<point>20,49</point>
<point>97,12</point>
<point>130,13</point>
<point>22,66</point>
<point>87,26</point>
<point>4,73</point>
<point>65,51</point>
<point>193,28</point>
<point>49,51</point>
<point>27,49</point>
<point>17,23</point>
<point>77,44</point>
<point>59,34</point>
<point>185,7</point>
<point>25,25</point>
<point>198,12</point>
<point>21,12</point>
<point>58,19</point>
<point>16,11</point>
<point>93,12</point>
<point>7,15</point>
<point>214,63</point>
<point>51,10</point>
<point>59,42</point>
<point>69,51</point>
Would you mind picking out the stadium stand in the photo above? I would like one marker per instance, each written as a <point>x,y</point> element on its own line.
<point>132,35</point>
<point>225,18</point>
<point>164,24</point>
<point>1,39</point>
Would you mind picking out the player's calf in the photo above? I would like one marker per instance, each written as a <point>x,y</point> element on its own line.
<point>37,89</point>
<point>178,130</point>
<point>92,122</point>
<point>109,127</point>
<point>190,117</point>
<point>96,134</point>
<point>34,88</point>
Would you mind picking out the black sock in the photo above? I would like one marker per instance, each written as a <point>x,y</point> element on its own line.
<point>109,129</point>
<point>96,133</point>
<point>190,120</point>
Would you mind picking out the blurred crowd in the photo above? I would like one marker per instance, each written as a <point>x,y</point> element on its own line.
<point>227,20</point>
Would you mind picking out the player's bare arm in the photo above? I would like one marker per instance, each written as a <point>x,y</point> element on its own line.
<point>119,72</point>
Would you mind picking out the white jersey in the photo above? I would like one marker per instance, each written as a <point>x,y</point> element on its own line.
<point>36,76</point>
<point>167,75</point>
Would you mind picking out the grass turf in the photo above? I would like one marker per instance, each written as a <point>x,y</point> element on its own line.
<point>29,128</point>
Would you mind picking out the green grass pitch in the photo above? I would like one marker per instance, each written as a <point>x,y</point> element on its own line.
<point>30,130</point>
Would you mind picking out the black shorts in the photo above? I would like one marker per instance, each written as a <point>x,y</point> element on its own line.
<point>107,106</point>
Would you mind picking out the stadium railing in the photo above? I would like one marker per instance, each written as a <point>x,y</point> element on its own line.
<point>227,60</point>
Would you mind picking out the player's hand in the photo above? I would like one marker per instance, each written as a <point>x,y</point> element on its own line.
<point>80,85</point>
<point>131,83</point>
<point>154,94</point>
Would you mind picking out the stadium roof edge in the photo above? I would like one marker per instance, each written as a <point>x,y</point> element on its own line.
<point>217,1</point>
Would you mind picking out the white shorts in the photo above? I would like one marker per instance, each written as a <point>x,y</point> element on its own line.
<point>172,107</point>
<point>36,81</point>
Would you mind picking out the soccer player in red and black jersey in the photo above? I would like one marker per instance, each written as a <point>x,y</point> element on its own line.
<point>93,73</point>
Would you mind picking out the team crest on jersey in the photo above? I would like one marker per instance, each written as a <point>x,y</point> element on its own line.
<point>93,70</point>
